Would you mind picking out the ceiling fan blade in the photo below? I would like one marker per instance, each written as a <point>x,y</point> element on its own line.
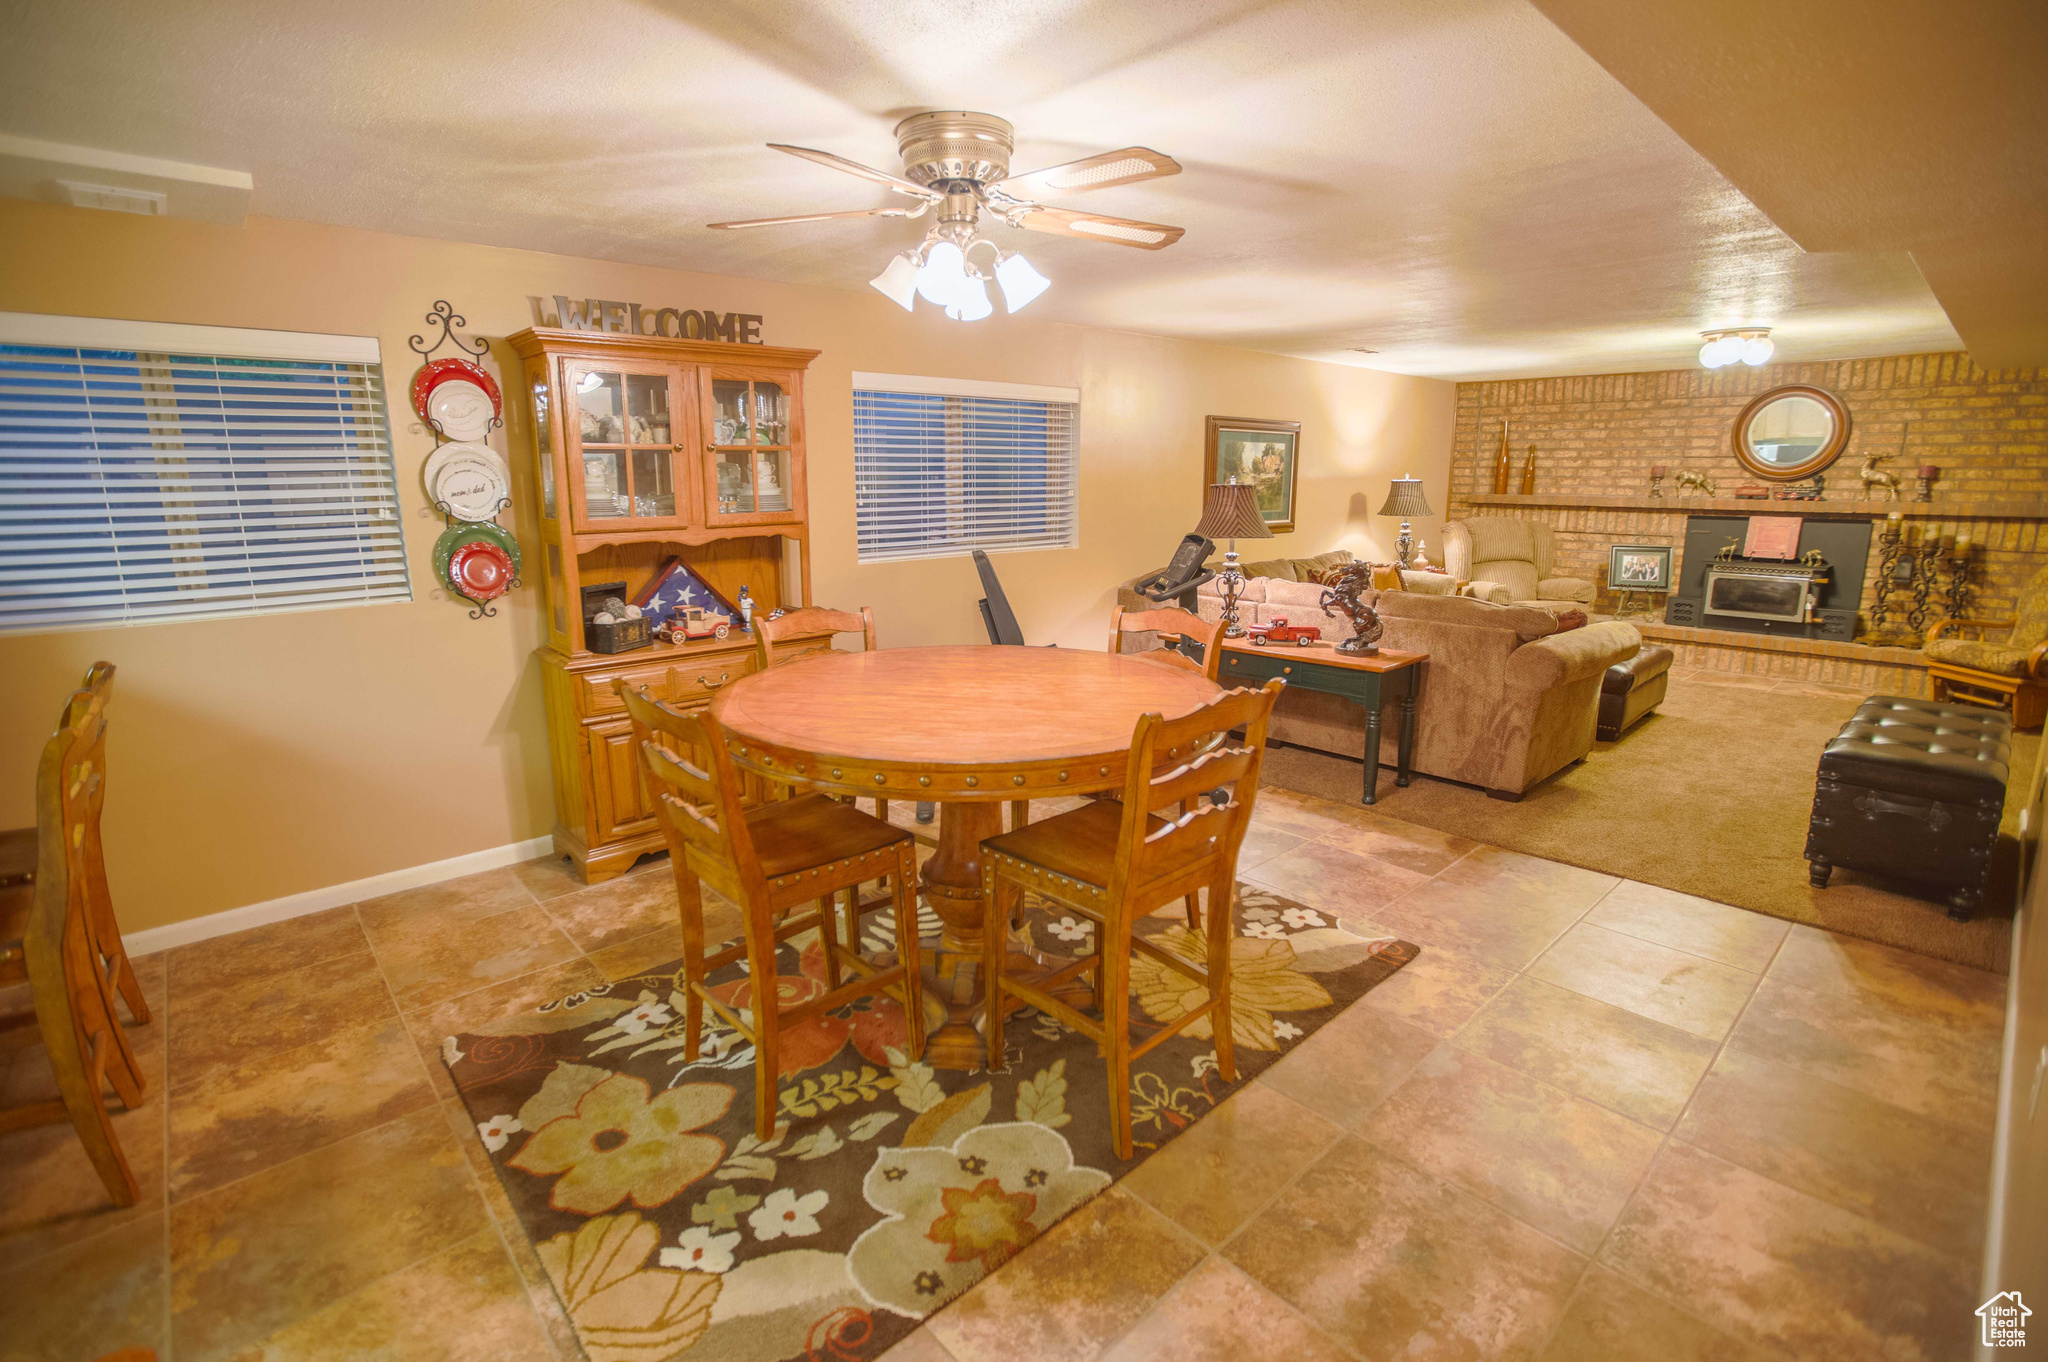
<point>1106,171</point>
<point>820,217</point>
<point>1147,236</point>
<point>895,182</point>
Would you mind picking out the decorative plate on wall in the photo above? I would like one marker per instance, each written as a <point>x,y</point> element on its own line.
<point>454,565</point>
<point>480,571</point>
<point>469,479</point>
<point>457,398</point>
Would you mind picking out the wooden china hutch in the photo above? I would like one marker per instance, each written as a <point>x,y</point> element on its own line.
<point>645,449</point>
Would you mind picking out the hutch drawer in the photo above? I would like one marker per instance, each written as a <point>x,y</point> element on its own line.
<point>681,679</point>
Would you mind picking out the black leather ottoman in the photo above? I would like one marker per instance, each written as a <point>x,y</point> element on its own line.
<point>1632,689</point>
<point>1913,789</point>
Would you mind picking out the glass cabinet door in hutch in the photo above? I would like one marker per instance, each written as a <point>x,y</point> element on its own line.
<point>629,466</point>
<point>754,432</point>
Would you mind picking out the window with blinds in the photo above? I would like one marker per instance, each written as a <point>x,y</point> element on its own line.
<point>944,466</point>
<point>152,473</point>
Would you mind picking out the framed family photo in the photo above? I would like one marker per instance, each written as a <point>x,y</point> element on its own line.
<point>1639,567</point>
<point>1261,453</point>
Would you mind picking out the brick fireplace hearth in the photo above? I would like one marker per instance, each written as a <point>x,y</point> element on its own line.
<point>1597,437</point>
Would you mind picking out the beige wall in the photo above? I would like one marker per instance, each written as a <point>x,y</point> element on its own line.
<point>255,758</point>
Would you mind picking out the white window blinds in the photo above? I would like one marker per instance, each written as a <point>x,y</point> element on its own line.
<point>189,474</point>
<point>943,466</point>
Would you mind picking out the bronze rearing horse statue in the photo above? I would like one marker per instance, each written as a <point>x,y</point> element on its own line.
<point>1344,593</point>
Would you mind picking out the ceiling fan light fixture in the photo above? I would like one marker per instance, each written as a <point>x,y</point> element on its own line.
<point>1745,345</point>
<point>1020,281</point>
<point>970,303</point>
<point>898,281</point>
<point>944,274</point>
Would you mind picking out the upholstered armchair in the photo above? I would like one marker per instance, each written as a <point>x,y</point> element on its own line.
<point>2013,672</point>
<point>1509,562</point>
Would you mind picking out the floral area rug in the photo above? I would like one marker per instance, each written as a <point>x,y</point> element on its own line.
<point>669,1230</point>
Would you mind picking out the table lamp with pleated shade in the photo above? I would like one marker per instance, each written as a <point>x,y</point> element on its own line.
<point>1405,499</point>
<point>1231,513</point>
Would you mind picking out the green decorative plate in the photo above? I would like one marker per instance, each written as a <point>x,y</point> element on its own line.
<point>473,532</point>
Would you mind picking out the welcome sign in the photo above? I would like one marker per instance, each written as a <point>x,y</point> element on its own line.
<point>637,319</point>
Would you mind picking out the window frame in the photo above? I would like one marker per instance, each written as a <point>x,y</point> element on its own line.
<point>955,487</point>
<point>257,531</point>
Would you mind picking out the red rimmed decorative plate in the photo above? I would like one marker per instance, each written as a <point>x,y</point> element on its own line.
<point>480,570</point>
<point>457,398</point>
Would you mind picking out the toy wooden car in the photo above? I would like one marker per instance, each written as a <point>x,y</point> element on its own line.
<point>1278,630</point>
<point>694,622</point>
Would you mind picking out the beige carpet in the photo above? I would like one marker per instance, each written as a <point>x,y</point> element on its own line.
<point>1708,796</point>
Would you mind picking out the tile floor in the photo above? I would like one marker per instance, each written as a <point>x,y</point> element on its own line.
<point>1594,1120</point>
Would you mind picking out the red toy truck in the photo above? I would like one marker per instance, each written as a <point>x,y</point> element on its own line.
<point>1278,630</point>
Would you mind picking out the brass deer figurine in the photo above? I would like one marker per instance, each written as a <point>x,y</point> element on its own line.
<point>1886,483</point>
<point>1692,478</point>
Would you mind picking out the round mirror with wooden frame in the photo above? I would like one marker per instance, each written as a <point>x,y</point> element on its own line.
<point>1791,432</point>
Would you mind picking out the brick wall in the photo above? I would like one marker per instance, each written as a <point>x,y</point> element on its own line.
<point>1598,436</point>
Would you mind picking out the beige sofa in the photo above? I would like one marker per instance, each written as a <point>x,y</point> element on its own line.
<point>1507,698</point>
<point>1509,562</point>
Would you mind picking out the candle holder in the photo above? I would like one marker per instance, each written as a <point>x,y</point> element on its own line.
<point>1925,477</point>
<point>1657,481</point>
<point>1958,603</point>
<point>1925,561</point>
<point>1894,570</point>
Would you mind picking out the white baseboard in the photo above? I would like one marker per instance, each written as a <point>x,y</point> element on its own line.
<point>153,939</point>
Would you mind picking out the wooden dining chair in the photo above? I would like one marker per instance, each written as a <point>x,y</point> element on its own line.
<point>18,853</point>
<point>1114,862</point>
<point>770,861</point>
<point>1174,627</point>
<point>815,625</point>
<point>47,940</point>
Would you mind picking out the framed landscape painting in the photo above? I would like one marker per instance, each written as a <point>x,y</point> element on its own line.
<point>1639,567</point>
<point>1261,453</point>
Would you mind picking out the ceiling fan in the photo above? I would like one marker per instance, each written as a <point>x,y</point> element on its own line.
<point>957,166</point>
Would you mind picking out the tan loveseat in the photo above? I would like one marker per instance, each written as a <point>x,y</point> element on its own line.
<point>1509,562</point>
<point>1507,697</point>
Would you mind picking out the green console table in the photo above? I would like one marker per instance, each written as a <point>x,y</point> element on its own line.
<point>1370,681</point>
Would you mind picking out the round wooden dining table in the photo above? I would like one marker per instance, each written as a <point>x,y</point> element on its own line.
<point>969,728</point>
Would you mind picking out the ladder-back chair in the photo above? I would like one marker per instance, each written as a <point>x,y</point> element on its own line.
<point>18,855</point>
<point>51,944</point>
<point>769,861</point>
<point>1174,627</point>
<point>1115,862</point>
<point>815,624</point>
<point>771,637</point>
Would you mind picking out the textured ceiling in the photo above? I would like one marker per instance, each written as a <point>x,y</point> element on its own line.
<point>1451,183</point>
<point>1888,127</point>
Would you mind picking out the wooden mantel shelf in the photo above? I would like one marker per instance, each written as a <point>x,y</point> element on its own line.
<point>2015,508</point>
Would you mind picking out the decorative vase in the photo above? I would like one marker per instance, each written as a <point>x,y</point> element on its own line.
<point>1529,474</point>
<point>1500,463</point>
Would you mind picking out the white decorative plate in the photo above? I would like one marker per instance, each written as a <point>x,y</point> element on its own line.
<point>470,479</point>
<point>460,409</point>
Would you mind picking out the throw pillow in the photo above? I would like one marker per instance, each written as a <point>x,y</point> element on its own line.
<point>1306,569</point>
<point>1387,577</point>
<point>1283,568</point>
